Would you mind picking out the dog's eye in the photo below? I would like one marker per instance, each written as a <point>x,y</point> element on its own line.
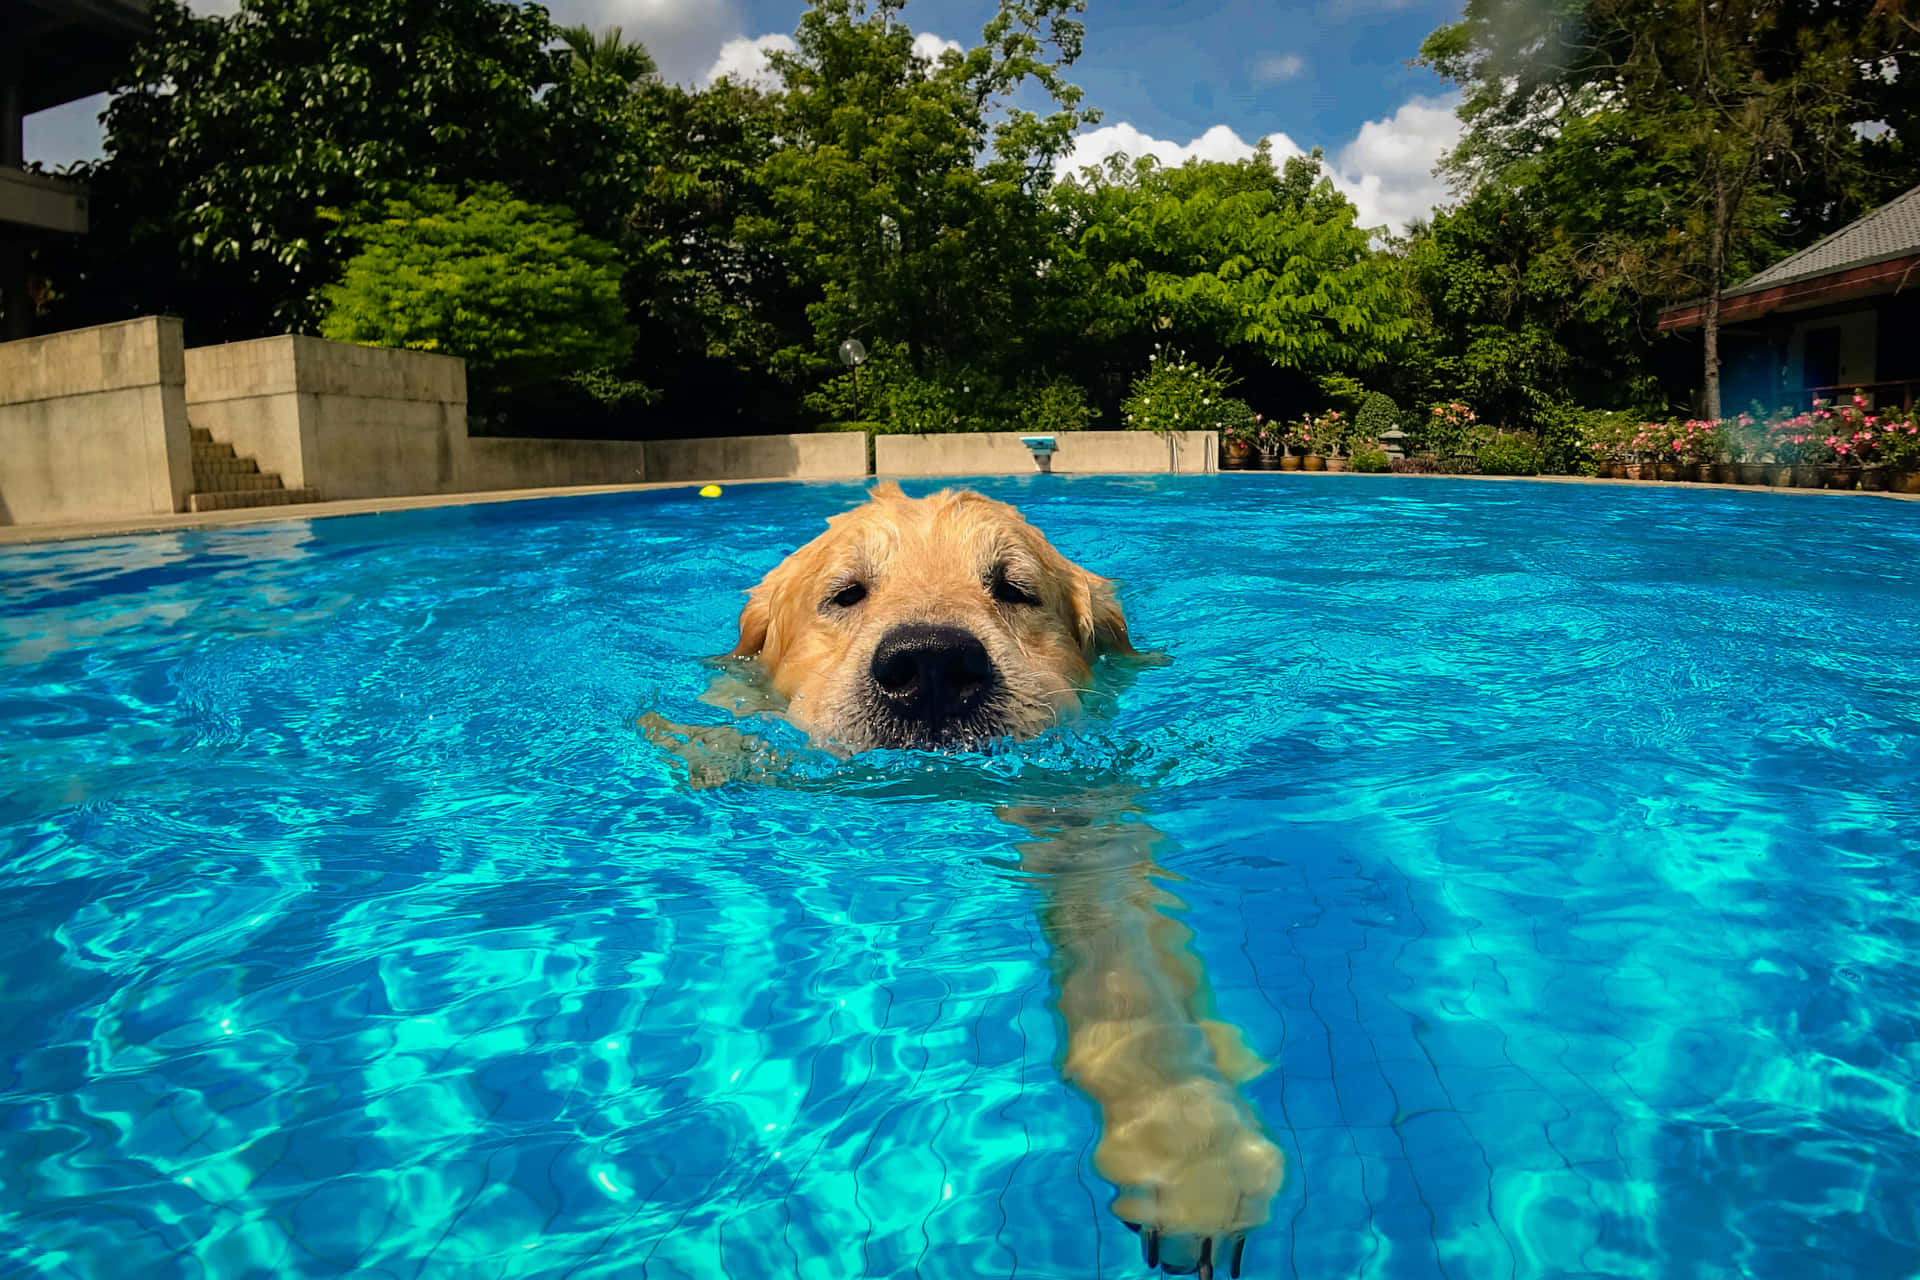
<point>1007,591</point>
<point>848,596</point>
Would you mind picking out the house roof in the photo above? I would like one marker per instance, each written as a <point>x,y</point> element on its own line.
<point>1891,231</point>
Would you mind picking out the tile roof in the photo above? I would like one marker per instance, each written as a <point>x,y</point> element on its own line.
<point>1891,231</point>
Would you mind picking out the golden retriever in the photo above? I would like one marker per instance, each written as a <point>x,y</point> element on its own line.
<point>929,622</point>
<point>949,621</point>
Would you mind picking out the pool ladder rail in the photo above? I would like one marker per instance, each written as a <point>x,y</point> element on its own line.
<point>223,479</point>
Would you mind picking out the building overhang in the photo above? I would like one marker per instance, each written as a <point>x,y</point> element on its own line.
<point>41,202</point>
<point>74,48</point>
<point>1868,280</point>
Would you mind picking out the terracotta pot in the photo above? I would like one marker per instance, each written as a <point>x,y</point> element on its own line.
<point>1637,470</point>
<point>1873,479</point>
<point>1313,462</point>
<point>1780,477</point>
<point>1667,470</point>
<point>1750,473</point>
<point>1336,463</point>
<point>1843,477</point>
<point>1236,455</point>
<point>1289,462</point>
<point>1614,470</point>
<point>1904,481</point>
<point>1807,475</point>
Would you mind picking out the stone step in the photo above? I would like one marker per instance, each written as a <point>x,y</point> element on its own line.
<point>234,481</point>
<point>221,466</point>
<point>200,435</point>
<point>250,498</point>
<point>210,451</point>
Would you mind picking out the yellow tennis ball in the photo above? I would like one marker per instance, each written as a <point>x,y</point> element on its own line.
<point>710,491</point>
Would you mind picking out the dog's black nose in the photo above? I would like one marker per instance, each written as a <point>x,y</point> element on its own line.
<point>932,675</point>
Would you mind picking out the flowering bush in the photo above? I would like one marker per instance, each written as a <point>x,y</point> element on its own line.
<point>1449,429</point>
<point>1178,394</point>
<point>1896,444</point>
<point>1329,434</point>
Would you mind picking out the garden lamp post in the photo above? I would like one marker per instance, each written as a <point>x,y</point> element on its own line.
<point>853,354</point>
<point>1394,441</point>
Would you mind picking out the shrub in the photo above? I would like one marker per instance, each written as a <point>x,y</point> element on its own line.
<point>1448,430</point>
<point>1178,394</point>
<point>1051,407</point>
<point>1508,456</point>
<point>1378,415</point>
<point>515,288</point>
<point>1371,458</point>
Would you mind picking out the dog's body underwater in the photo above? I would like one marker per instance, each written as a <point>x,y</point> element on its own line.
<point>949,621</point>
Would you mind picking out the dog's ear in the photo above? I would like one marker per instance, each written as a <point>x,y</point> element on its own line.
<point>754,620</point>
<point>1097,615</point>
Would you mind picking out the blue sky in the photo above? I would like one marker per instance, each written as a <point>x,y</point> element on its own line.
<point>1173,77</point>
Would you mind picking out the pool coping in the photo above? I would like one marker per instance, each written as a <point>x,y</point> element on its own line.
<point>19,534</point>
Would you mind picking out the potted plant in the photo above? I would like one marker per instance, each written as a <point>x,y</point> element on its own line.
<point>1897,444</point>
<point>1239,444</point>
<point>1331,433</point>
<point>1292,444</point>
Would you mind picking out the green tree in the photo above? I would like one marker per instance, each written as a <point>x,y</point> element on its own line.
<point>608,53</point>
<point>909,197</point>
<point>1734,102</point>
<point>227,135</point>
<point>516,289</point>
<point>1261,264</point>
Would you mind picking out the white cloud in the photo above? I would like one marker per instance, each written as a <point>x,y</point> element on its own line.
<point>1218,143</point>
<point>1386,170</point>
<point>1272,68</point>
<point>746,60</point>
<point>930,46</point>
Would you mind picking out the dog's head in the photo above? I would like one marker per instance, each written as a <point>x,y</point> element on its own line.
<point>926,622</point>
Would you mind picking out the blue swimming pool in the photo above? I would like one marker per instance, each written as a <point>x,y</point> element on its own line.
<point>1559,846</point>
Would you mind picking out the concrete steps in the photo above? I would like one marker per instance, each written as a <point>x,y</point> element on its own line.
<point>223,479</point>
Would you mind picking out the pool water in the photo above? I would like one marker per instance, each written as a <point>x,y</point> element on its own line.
<point>1559,847</point>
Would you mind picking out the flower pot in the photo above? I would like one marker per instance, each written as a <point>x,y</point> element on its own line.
<point>1667,470</point>
<point>1873,479</point>
<point>1313,462</point>
<point>1236,455</point>
<point>1843,477</point>
<point>1780,477</point>
<point>1750,472</point>
<point>1808,475</point>
<point>1289,462</point>
<point>1714,473</point>
<point>1336,463</point>
<point>1904,481</point>
<point>1637,470</point>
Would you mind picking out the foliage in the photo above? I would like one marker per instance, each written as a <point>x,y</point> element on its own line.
<point>1178,394</point>
<point>1263,264</point>
<point>1508,455</point>
<point>907,210</point>
<point>1449,430</point>
<point>1371,458</point>
<point>1378,415</point>
<point>227,135</point>
<point>517,289</point>
<point>1330,434</point>
<point>1051,406</point>
<point>1690,118</point>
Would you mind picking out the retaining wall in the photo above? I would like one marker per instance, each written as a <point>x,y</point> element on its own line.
<point>992,453</point>
<point>93,424</point>
<point>349,421</point>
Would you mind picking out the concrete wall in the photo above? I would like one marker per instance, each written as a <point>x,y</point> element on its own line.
<point>509,462</point>
<point>1859,338</point>
<point>350,421</point>
<point>93,424</point>
<point>830,455</point>
<point>993,453</point>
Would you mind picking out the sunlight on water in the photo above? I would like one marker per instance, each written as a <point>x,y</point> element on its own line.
<point>1556,846</point>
